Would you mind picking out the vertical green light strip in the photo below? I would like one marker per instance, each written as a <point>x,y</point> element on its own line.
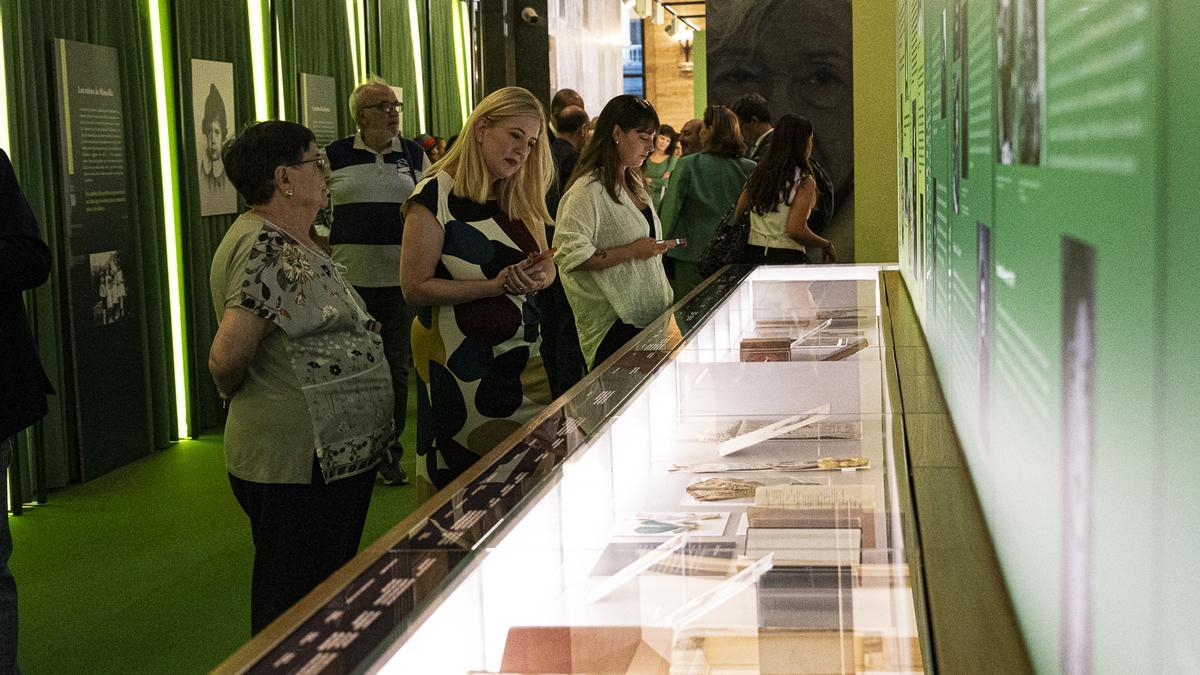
<point>282,97</point>
<point>4,138</point>
<point>159,44</point>
<point>458,59</point>
<point>362,40</point>
<point>467,89</point>
<point>414,25</point>
<point>352,31</point>
<point>258,60</point>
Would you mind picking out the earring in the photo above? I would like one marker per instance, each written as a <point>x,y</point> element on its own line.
<point>288,191</point>
<point>479,138</point>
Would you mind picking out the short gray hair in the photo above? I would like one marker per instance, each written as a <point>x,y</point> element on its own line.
<point>356,96</point>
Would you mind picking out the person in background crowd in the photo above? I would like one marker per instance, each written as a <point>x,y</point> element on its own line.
<point>428,144</point>
<point>658,166</point>
<point>301,365</point>
<point>25,261</point>
<point>560,342</point>
<point>689,137</point>
<point>755,120</point>
<point>373,173</point>
<point>563,98</point>
<point>607,231</point>
<point>564,149</point>
<point>780,195</point>
<point>439,149</point>
<point>474,255</point>
<point>702,189</point>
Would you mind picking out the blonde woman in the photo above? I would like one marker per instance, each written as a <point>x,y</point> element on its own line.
<point>474,254</point>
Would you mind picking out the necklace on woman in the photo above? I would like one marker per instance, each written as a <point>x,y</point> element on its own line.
<point>266,221</point>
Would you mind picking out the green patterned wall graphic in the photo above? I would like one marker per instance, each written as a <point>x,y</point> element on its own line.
<point>1036,268</point>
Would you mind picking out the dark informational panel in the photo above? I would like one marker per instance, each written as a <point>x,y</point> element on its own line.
<point>798,55</point>
<point>103,288</point>
<point>319,107</point>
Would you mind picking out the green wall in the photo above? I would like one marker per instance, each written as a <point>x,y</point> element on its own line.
<point>1176,472</point>
<point>874,130</point>
<point>1102,493</point>
<point>300,36</point>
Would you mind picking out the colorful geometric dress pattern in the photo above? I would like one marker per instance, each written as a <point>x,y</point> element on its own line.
<point>479,362</point>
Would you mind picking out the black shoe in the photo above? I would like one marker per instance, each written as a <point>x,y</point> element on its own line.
<point>393,474</point>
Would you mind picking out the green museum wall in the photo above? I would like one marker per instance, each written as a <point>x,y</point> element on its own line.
<point>1081,498</point>
<point>299,36</point>
<point>1175,469</point>
<point>29,29</point>
<point>874,129</point>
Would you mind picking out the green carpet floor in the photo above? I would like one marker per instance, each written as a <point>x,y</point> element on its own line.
<point>147,569</point>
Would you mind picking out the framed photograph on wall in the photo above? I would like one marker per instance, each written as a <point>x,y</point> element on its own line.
<point>212,114</point>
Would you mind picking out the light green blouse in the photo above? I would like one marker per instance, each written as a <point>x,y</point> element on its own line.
<point>319,383</point>
<point>657,173</point>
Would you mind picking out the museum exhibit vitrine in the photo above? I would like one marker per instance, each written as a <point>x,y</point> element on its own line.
<point>727,492</point>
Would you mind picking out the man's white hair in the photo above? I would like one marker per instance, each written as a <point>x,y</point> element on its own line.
<point>356,96</point>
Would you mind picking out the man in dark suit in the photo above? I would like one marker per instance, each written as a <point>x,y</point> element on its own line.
<point>560,343</point>
<point>755,120</point>
<point>24,264</point>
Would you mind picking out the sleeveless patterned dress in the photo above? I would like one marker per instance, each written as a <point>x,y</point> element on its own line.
<point>479,363</point>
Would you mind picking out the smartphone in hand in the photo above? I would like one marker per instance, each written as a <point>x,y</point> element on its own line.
<point>673,243</point>
<point>540,256</point>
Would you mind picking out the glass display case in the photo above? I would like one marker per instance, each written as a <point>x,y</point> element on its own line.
<point>726,493</point>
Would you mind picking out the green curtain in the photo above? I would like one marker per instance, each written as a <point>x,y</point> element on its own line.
<point>391,53</point>
<point>445,108</point>
<point>314,38</point>
<point>214,32</point>
<point>122,24</point>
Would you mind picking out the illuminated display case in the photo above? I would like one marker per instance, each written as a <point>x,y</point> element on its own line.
<point>590,542</point>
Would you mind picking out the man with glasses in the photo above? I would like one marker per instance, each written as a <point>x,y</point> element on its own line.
<point>372,173</point>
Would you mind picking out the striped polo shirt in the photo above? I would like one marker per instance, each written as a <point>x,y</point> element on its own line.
<point>367,189</point>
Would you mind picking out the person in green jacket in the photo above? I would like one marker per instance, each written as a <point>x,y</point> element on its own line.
<point>657,168</point>
<point>702,188</point>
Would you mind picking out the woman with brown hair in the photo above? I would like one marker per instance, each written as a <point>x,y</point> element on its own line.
<point>607,233</point>
<point>702,188</point>
<point>780,196</point>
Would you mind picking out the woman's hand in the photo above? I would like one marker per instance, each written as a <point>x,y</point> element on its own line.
<point>527,276</point>
<point>829,254</point>
<point>647,247</point>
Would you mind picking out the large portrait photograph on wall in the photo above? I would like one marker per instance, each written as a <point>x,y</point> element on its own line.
<point>212,112</point>
<point>797,55</point>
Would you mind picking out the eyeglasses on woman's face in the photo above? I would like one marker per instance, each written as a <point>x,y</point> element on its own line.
<point>319,161</point>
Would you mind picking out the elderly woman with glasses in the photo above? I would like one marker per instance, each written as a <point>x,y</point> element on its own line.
<point>300,363</point>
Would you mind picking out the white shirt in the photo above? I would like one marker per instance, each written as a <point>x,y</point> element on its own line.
<point>636,292</point>
<point>769,230</point>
